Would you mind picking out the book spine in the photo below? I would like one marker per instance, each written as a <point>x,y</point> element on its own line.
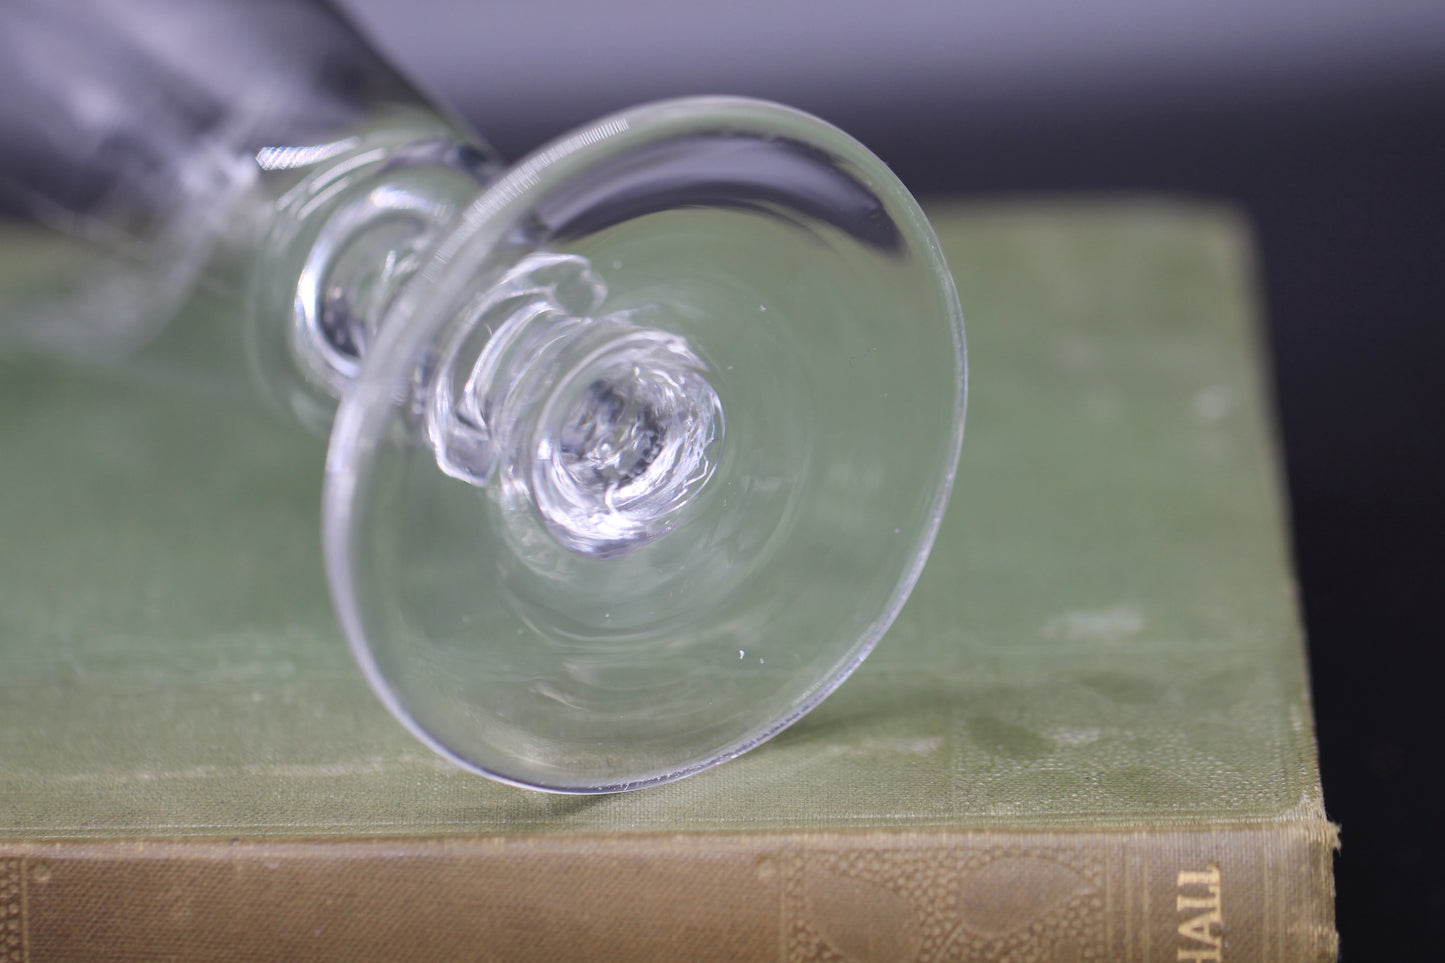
<point>1197,895</point>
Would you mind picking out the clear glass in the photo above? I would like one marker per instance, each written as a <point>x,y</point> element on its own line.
<point>636,449</point>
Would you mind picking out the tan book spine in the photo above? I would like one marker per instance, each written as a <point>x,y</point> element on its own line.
<point>1205,894</point>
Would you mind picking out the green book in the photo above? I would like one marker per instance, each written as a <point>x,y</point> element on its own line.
<point>1087,737</point>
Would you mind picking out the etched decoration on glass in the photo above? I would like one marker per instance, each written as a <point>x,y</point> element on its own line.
<point>636,448</point>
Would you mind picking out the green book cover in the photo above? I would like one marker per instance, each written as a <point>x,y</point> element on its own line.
<point>1088,736</point>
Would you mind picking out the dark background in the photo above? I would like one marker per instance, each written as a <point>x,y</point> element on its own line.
<point>1323,119</point>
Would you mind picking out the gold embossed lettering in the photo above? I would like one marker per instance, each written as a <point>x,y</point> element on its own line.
<point>1209,877</point>
<point>1203,930</point>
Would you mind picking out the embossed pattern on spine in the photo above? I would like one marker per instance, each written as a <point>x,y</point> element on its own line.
<point>935,904</point>
<point>12,911</point>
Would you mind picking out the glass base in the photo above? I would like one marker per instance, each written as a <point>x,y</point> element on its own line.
<point>650,453</point>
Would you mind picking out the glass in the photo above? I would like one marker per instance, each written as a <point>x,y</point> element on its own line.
<point>636,449</point>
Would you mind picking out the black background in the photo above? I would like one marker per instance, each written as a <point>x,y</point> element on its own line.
<point>1333,142</point>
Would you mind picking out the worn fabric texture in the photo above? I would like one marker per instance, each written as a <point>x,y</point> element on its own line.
<point>1097,686</point>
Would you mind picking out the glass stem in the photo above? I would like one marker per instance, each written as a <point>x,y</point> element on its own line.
<point>345,239</point>
<point>604,423</point>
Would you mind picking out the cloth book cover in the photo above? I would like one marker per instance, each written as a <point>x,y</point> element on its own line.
<point>1087,737</point>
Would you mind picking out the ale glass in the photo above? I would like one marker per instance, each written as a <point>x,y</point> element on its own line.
<point>635,448</point>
